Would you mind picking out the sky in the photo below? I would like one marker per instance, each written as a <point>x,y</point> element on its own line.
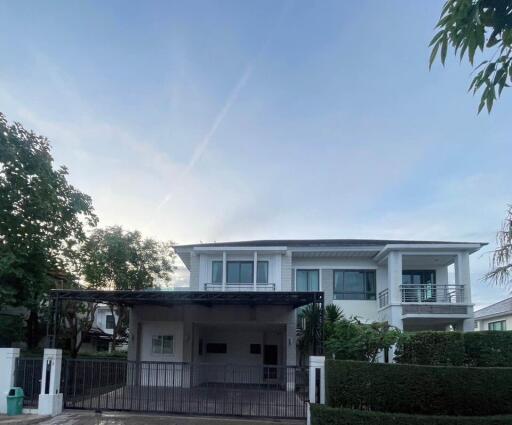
<point>201,121</point>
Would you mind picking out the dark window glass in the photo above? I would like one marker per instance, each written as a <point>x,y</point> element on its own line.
<point>216,348</point>
<point>216,271</point>
<point>354,285</point>
<point>240,271</point>
<point>110,323</point>
<point>419,285</point>
<point>262,272</point>
<point>246,274</point>
<point>307,281</point>
<point>255,349</point>
<point>497,326</point>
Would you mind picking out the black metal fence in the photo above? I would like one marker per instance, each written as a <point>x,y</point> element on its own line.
<point>188,388</point>
<point>27,375</point>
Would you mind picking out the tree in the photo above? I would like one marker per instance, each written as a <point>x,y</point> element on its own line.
<point>502,255</point>
<point>42,219</point>
<point>471,25</point>
<point>117,259</point>
<point>354,340</point>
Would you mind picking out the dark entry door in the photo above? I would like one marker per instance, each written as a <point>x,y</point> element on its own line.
<point>270,359</point>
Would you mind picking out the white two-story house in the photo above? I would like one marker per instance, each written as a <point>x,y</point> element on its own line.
<point>241,304</point>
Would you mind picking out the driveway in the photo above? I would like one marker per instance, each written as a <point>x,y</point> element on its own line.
<point>112,418</point>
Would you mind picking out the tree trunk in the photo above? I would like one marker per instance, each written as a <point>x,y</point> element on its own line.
<point>32,329</point>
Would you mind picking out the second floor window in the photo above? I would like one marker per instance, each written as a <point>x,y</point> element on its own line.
<point>240,272</point>
<point>110,322</point>
<point>307,281</point>
<point>354,285</point>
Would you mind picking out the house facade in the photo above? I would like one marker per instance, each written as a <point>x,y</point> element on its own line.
<point>496,317</point>
<point>405,283</point>
<point>99,336</point>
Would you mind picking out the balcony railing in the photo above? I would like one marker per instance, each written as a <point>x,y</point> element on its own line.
<point>445,294</point>
<point>240,287</point>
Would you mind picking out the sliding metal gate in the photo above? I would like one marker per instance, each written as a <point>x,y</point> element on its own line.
<point>185,388</point>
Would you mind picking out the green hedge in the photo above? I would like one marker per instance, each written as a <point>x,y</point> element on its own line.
<point>429,390</point>
<point>431,348</point>
<point>322,415</point>
<point>482,349</point>
<point>489,348</point>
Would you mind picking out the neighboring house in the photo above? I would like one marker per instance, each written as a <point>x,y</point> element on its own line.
<point>100,335</point>
<point>241,304</point>
<point>496,317</point>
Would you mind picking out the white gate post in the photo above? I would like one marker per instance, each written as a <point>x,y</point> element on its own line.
<point>8,358</point>
<point>51,403</point>
<point>316,362</point>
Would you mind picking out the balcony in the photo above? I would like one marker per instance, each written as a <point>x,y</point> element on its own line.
<point>428,299</point>
<point>240,287</point>
<point>428,293</point>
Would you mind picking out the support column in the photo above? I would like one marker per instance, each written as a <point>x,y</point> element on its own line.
<point>50,399</point>
<point>463,276</point>
<point>255,270</point>
<point>224,270</point>
<point>394,277</point>
<point>8,358</point>
<point>317,369</point>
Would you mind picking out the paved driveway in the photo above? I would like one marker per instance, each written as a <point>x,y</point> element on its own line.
<point>111,418</point>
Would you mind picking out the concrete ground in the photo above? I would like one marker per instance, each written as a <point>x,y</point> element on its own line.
<point>113,418</point>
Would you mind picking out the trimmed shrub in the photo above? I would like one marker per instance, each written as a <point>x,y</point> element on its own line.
<point>488,349</point>
<point>431,348</point>
<point>323,415</point>
<point>428,390</point>
<point>479,349</point>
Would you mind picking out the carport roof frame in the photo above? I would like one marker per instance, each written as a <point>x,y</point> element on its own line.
<point>206,298</point>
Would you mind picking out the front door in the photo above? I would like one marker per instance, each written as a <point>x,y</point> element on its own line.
<point>270,359</point>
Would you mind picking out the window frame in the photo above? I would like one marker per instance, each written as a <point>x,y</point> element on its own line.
<point>368,295</point>
<point>258,263</point>
<point>308,289</point>
<point>221,270</point>
<point>107,316</point>
<point>161,338</point>
<point>503,326</point>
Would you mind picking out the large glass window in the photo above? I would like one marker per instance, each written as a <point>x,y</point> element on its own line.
<point>216,271</point>
<point>354,285</point>
<point>497,326</point>
<point>262,272</point>
<point>241,272</point>
<point>419,285</point>
<point>307,281</point>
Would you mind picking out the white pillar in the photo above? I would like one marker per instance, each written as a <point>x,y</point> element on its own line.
<point>255,271</point>
<point>51,403</point>
<point>394,276</point>
<point>316,362</point>
<point>8,358</point>
<point>463,275</point>
<point>224,270</point>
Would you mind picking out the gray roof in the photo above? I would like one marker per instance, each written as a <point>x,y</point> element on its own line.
<point>320,243</point>
<point>501,307</point>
